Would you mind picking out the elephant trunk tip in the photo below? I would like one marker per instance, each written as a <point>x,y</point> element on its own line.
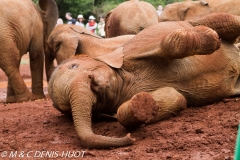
<point>131,140</point>
<point>102,142</point>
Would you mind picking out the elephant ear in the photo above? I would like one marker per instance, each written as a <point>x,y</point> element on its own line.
<point>107,23</point>
<point>113,59</point>
<point>66,48</point>
<point>49,12</point>
<point>182,13</point>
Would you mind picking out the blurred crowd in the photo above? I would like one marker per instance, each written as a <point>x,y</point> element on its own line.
<point>91,25</point>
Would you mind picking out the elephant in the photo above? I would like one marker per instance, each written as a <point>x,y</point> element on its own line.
<point>151,77</point>
<point>130,18</point>
<point>186,10</point>
<point>25,28</point>
<point>225,6</point>
<point>67,40</point>
<point>189,10</point>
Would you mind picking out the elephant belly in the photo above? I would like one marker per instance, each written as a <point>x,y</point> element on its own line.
<point>204,91</point>
<point>204,79</point>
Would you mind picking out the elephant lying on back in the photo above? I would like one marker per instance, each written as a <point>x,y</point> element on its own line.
<point>153,76</point>
<point>24,29</point>
<point>130,18</point>
<point>68,40</point>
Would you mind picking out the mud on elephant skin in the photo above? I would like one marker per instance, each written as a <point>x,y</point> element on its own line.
<point>137,16</point>
<point>25,28</point>
<point>149,79</point>
<point>66,41</point>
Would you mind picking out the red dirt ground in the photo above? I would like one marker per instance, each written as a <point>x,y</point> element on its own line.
<point>33,128</point>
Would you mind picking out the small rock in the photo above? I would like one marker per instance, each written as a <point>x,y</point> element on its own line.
<point>149,150</point>
<point>227,158</point>
<point>46,122</point>
<point>127,149</point>
<point>199,131</point>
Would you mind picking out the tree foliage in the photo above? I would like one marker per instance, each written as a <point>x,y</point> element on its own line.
<point>96,8</point>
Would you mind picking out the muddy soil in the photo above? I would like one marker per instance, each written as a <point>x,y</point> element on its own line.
<point>36,130</point>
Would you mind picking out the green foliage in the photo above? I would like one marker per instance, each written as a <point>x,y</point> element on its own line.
<point>35,1</point>
<point>75,7</point>
<point>96,8</point>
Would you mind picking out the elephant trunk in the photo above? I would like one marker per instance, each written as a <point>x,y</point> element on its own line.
<point>49,62</point>
<point>82,101</point>
<point>49,67</point>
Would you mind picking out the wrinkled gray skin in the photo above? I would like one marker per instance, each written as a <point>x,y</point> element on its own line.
<point>24,29</point>
<point>130,18</point>
<point>182,56</point>
<point>186,10</point>
<point>66,41</point>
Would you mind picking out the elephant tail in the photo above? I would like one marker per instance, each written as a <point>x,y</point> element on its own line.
<point>49,14</point>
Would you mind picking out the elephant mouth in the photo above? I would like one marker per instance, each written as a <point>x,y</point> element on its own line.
<point>73,66</point>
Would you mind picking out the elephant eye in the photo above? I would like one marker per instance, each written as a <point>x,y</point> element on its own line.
<point>73,66</point>
<point>57,46</point>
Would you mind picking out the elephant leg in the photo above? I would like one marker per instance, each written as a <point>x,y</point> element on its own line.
<point>36,66</point>
<point>11,96</point>
<point>17,89</point>
<point>226,25</point>
<point>199,40</point>
<point>147,108</point>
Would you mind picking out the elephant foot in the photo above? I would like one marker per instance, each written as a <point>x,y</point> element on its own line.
<point>199,40</point>
<point>23,98</point>
<point>11,99</point>
<point>39,96</point>
<point>140,109</point>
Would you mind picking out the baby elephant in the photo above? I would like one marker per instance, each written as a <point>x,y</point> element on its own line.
<point>163,69</point>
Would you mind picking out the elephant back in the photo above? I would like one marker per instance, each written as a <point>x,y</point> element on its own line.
<point>137,16</point>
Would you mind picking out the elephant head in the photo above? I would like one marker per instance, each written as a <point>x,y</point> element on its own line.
<point>63,42</point>
<point>186,10</point>
<point>92,84</point>
<point>69,40</point>
<point>130,18</point>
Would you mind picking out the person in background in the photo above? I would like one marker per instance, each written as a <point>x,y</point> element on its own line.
<point>160,9</point>
<point>91,25</point>
<point>101,25</point>
<point>70,19</point>
<point>59,21</point>
<point>80,20</point>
